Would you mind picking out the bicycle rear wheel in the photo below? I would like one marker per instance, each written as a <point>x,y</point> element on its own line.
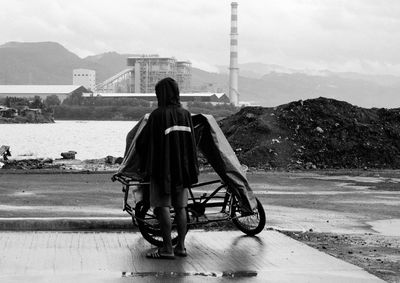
<point>251,224</point>
<point>149,226</point>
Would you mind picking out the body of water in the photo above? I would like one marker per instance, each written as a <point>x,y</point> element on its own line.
<point>90,139</point>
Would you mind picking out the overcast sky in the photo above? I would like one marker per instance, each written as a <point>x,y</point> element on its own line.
<point>339,35</point>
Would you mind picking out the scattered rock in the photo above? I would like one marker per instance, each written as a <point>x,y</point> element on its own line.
<point>64,164</point>
<point>69,154</point>
<point>110,159</point>
<point>28,164</point>
<point>113,160</point>
<point>118,160</point>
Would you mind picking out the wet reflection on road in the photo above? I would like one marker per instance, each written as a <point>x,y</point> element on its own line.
<point>172,274</point>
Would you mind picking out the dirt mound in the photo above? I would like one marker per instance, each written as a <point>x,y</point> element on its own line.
<point>315,133</point>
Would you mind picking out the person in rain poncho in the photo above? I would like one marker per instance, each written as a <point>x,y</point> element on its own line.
<point>169,148</point>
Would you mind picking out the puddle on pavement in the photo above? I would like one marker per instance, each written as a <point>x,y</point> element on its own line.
<point>324,193</point>
<point>386,227</point>
<point>388,197</point>
<point>22,194</point>
<point>357,179</point>
<point>327,193</point>
<point>352,186</point>
<point>172,274</point>
<point>318,220</point>
<point>375,201</point>
<point>333,188</point>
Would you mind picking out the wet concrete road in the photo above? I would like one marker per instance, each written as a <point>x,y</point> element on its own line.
<point>347,202</point>
<point>213,257</point>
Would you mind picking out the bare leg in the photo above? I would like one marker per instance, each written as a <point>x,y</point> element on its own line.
<point>181,221</point>
<point>165,224</point>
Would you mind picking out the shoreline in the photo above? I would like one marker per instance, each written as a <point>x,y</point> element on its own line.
<point>103,168</point>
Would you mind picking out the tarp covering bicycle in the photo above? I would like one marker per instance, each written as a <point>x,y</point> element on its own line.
<point>214,146</point>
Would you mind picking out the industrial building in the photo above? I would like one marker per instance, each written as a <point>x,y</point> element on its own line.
<point>26,91</point>
<point>144,71</point>
<point>139,78</point>
<point>85,78</point>
<point>184,75</point>
<point>209,97</point>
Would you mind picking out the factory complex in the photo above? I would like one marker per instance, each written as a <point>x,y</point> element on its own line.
<point>139,78</point>
<point>144,71</point>
<point>137,81</point>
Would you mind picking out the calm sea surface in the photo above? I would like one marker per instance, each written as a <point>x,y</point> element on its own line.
<point>90,139</point>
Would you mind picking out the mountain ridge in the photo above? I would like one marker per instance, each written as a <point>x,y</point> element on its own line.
<point>51,63</point>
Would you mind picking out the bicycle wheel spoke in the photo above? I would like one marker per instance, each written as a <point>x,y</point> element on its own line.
<point>250,224</point>
<point>149,225</point>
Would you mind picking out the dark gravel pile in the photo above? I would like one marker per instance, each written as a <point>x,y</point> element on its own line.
<point>315,133</point>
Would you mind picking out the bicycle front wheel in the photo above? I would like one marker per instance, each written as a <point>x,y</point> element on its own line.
<point>149,226</point>
<point>250,224</point>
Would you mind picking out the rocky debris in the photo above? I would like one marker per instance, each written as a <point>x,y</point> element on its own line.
<point>69,154</point>
<point>113,160</point>
<point>315,134</point>
<point>5,152</point>
<point>27,164</point>
<point>109,163</point>
<point>102,164</point>
<point>27,120</point>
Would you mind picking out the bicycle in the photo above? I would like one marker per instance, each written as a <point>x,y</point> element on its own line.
<point>198,213</point>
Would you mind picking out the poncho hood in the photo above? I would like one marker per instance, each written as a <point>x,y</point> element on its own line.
<point>167,92</point>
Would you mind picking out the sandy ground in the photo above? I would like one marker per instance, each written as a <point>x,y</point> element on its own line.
<point>352,215</point>
<point>378,254</point>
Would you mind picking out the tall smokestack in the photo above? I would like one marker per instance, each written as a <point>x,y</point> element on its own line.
<point>233,66</point>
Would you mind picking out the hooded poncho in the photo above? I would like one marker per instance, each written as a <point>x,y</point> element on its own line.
<point>167,142</point>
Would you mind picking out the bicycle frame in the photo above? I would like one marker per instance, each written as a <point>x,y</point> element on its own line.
<point>127,184</point>
<point>147,221</point>
<point>196,205</point>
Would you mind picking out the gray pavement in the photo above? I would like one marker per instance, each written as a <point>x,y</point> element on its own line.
<point>66,223</point>
<point>56,256</point>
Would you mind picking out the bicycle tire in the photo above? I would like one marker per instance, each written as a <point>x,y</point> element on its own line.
<point>250,225</point>
<point>149,227</point>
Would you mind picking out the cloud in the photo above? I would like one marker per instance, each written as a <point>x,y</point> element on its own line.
<point>326,33</point>
<point>353,35</point>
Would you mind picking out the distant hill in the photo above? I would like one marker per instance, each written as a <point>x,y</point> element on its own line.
<point>36,63</point>
<point>261,84</point>
<point>51,63</point>
<point>107,64</point>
